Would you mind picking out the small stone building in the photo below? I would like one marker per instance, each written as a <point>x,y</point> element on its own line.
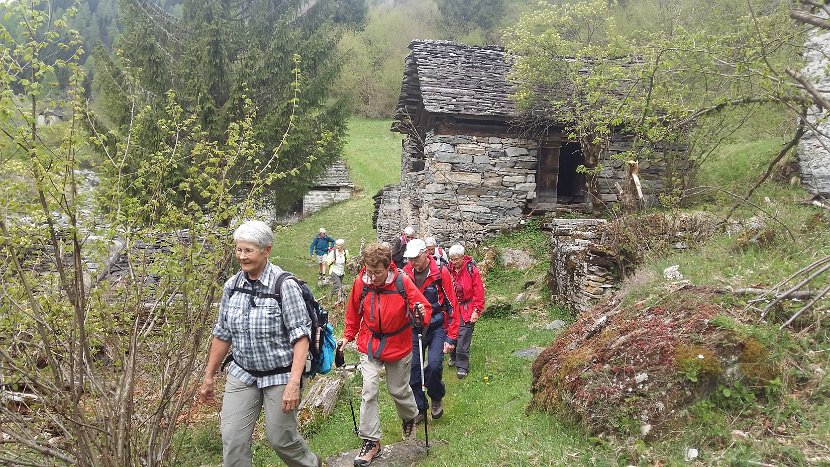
<point>468,168</point>
<point>333,186</point>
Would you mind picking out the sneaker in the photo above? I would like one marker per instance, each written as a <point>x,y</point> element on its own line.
<point>462,373</point>
<point>368,452</point>
<point>420,417</point>
<point>409,429</point>
<point>451,362</point>
<point>437,409</point>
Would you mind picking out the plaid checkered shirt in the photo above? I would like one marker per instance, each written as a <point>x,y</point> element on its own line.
<point>261,333</point>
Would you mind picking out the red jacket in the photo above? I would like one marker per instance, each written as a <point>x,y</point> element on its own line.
<point>383,313</point>
<point>445,291</point>
<point>469,289</point>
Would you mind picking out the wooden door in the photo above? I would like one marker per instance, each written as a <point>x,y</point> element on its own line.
<point>548,174</point>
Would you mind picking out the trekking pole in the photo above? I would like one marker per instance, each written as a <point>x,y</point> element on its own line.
<point>354,420</point>
<point>339,362</point>
<point>423,388</point>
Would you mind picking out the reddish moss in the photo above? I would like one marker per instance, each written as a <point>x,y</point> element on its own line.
<point>612,363</point>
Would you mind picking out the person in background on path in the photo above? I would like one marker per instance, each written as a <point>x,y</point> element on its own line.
<point>400,246</point>
<point>469,291</point>
<point>319,250</point>
<point>270,345</point>
<point>380,317</point>
<point>440,334</point>
<point>337,267</point>
<point>437,253</point>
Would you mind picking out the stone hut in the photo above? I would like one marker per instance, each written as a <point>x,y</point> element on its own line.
<point>333,186</point>
<point>468,168</point>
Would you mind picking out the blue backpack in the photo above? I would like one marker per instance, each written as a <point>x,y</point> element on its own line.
<point>321,345</point>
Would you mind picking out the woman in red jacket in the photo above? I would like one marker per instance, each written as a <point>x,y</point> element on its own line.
<point>469,291</point>
<point>383,306</point>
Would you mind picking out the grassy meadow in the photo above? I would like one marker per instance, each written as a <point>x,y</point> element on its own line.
<point>373,157</point>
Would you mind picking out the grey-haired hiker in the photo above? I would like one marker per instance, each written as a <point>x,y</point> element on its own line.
<point>270,345</point>
<point>469,290</point>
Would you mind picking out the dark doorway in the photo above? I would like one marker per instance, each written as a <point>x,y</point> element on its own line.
<point>571,185</point>
<point>556,179</point>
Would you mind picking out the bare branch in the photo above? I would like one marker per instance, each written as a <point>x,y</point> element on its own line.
<point>812,20</point>
<point>806,307</point>
<point>818,98</point>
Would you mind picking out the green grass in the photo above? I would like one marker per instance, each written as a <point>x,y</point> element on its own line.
<point>373,157</point>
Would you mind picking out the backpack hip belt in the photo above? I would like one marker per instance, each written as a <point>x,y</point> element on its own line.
<point>382,339</point>
<point>255,373</point>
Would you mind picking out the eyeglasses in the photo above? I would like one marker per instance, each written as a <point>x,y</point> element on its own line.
<point>246,251</point>
<point>376,274</point>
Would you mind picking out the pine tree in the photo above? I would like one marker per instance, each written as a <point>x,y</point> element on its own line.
<point>280,55</point>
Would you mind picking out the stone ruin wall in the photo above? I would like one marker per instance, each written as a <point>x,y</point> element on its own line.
<point>582,272</point>
<point>814,147</point>
<point>316,200</point>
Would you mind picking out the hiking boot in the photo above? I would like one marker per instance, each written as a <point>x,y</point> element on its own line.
<point>368,452</point>
<point>409,429</point>
<point>420,417</point>
<point>437,409</point>
<point>462,373</point>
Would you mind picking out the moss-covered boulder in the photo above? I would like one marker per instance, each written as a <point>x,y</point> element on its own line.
<point>633,370</point>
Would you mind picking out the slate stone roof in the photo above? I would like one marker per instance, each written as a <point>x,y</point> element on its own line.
<point>336,175</point>
<point>458,79</point>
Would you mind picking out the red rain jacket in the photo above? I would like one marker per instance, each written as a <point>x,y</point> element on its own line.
<point>451,322</point>
<point>469,289</point>
<point>383,311</point>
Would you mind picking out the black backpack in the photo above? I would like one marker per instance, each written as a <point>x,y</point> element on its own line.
<point>374,354</point>
<point>321,342</point>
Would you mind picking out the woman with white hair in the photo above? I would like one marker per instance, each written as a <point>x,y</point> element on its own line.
<point>337,268</point>
<point>270,338</point>
<point>469,290</point>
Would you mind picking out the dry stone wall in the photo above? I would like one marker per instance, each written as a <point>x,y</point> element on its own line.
<point>315,200</point>
<point>463,188</point>
<point>652,173</point>
<point>583,272</point>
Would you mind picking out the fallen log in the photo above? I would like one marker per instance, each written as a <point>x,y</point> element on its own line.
<point>318,403</point>
<point>796,295</point>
